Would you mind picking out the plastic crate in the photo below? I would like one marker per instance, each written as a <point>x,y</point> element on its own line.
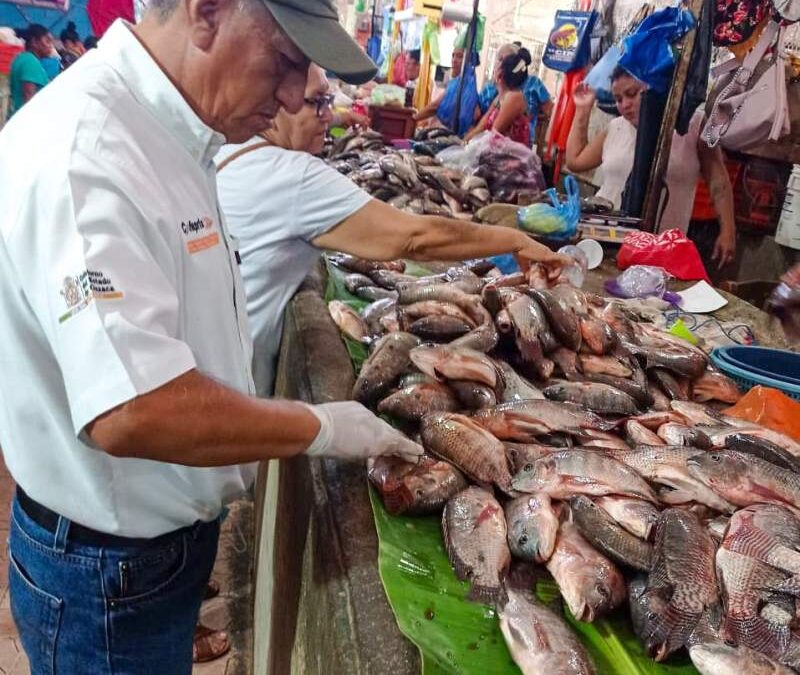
<point>7,54</point>
<point>748,376</point>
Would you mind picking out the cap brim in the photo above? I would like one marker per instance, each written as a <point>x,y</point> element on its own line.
<point>325,42</point>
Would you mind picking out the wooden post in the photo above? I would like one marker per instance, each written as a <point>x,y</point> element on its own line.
<point>658,171</point>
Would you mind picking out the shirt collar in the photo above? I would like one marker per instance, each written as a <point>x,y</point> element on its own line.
<point>153,89</point>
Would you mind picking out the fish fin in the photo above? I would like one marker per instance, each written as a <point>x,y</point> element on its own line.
<point>791,586</point>
<point>461,569</point>
<point>756,633</point>
<point>488,595</point>
<point>672,629</point>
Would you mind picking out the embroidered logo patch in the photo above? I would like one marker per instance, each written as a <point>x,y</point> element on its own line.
<point>199,234</point>
<point>82,289</point>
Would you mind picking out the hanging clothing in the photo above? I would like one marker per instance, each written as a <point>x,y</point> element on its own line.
<point>520,129</point>
<point>683,170</point>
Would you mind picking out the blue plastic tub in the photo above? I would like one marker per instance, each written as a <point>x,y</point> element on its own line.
<point>751,366</point>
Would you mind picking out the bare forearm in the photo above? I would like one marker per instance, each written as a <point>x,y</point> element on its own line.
<point>722,196</point>
<point>448,239</point>
<point>196,421</point>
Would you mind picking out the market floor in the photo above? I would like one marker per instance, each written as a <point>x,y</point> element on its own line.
<point>224,612</point>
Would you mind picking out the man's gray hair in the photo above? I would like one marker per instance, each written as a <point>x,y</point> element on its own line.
<point>164,8</point>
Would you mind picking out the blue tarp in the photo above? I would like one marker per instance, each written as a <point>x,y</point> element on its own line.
<point>19,16</point>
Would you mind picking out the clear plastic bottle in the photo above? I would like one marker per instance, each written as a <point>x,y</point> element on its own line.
<point>576,272</point>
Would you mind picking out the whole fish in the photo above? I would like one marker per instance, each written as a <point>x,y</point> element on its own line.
<point>472,449</point>
<point>589,582</point>
<point>439,328</point>
<point>682,361</point>
<point>474,531</point>
<point>599,398</point>
<point>528,334</point>
<point>742,442</point>
<point>678,389</point>
<point>532,527</point>
<point>561,318</point>
<point>747,583</point>
<point>714,386</point>
<point>517,388</point>
<point>447,293</point>
<point>415,489</point>
<point>389,279</point>
<point>520,455</point>
<point>740,426</point>
<point>673,433</point>
<point>531,321</point>
<point>414,402</point>
<point>373,293</point>
<point>388,361</point>
<point>597,336</point>
<point>634,515</point>
<point>574,472</point>
<point>745,479</point>
<point>473,395</point>
<point>638,392</point>
<point>697,413</point>
<point>603,532</point>
<point>538,639</point>
<point>374,312</point>
<point>525,420</point>
<point>592,364</point>
<point>446,362</point>
<point>667,465</point>
<point>718,658</point>
<point>638,434</point>
<point>348,320</point>
<point>410,314</point>
<point>682,581</point>
<point>767,532</point>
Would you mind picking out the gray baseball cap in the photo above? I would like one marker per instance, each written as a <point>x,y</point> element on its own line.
<point>313,25</point>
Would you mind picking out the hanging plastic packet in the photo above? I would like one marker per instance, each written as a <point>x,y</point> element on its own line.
<point>556,220</point>
<point>569,45</point>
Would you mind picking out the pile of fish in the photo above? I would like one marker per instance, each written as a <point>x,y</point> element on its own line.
<point>562,434</point>
<point>416,182</point>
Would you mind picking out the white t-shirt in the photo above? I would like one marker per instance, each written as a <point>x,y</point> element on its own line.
<point>683,170</point>
<point>116,276</point>
<point>276,203</point>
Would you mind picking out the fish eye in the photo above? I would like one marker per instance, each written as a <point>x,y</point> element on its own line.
<point>651,616</point>
<point>715,457</point>
<point>419,492</point>
<point>601,590</point>
<point>523,540</point>
<point>528,467</point>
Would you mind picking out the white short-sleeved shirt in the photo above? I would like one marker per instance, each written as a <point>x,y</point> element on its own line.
<point>116,276</point>
<point>276,202</point>
<point>683,170</point>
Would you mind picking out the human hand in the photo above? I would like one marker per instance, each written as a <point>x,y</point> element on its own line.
<point>584,97</point>
<point>349,431</point>
<point>725,248</point>
<point>531,252</point>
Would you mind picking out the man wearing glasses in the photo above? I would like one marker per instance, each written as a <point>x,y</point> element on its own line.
<point>285,205</point>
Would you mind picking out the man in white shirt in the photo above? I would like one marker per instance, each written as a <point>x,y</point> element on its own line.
<point>126,410</point>
<point>284,205</point>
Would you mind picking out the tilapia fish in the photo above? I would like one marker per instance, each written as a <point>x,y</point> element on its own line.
<point>472,449</point>
<point>682,583</point>
<point>373,293</point>
<point>639,392</point>
<point>517,388</point>
<point>676,387</point>
<point>767,532</point>
<point>600,398</point>
<point>374,313</point>
<point>473,395</point>
<point>352,282</point>
<point>603,532</point>
<point>741,426</point>
<point>533,336</point>
<point>525,420</point>
<point>414,402</point>
<point>361,266</point>
<point>673,433</point>
<point>638,434</point>
<point>604,365</point>
<point>522,454</point>
<point>688,362</point>
<point>667,465</point>
<point>597,336</point>
<point>653,420</point>
<point>419,311</point>
<point>718,658</point>
<point>348,320</point>
<point>589,582</point>
<point>484,338</point>
<point>439,328</point>
<point>561,318</point>
<point>415,489</point>
<point>697,413</point>
<point>474,531</point>
<point>532,527</point>
<point>388,361</point>
<point>574,472</point>
<point>568,363</point>
<point>539,640</point>
<point>634,515</point>
<point>744,479</point>
<point>743,442</point>
<point>714,386</point>
<point>448,363</point>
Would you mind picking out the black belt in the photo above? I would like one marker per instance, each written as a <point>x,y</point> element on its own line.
<point>79,534</point>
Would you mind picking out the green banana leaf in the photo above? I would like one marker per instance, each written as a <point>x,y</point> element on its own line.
<point>456,636</point>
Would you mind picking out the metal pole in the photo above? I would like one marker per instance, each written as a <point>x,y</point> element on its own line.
<point>471,35</point>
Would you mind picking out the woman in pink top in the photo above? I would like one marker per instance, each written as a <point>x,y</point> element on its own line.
<point>508,113</point>
<point>613,150</point>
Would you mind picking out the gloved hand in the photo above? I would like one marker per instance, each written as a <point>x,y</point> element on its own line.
<point>349,431</point>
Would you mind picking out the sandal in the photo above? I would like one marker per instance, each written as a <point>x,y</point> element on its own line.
<point>212,590</point>
<point>209,644</point>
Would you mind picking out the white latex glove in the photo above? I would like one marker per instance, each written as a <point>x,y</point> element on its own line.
<point>349,431</point>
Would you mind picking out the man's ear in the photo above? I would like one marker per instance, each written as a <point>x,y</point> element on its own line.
<point>205,17</point>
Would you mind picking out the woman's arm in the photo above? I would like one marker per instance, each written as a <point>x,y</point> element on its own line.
<point>583,154</point>
<point>429,110</point>
<point>511,106</point>
<point>712,166</point>
<point>479,127</point>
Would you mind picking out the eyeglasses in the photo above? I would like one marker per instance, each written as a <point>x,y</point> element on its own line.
<point>320,102</point>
